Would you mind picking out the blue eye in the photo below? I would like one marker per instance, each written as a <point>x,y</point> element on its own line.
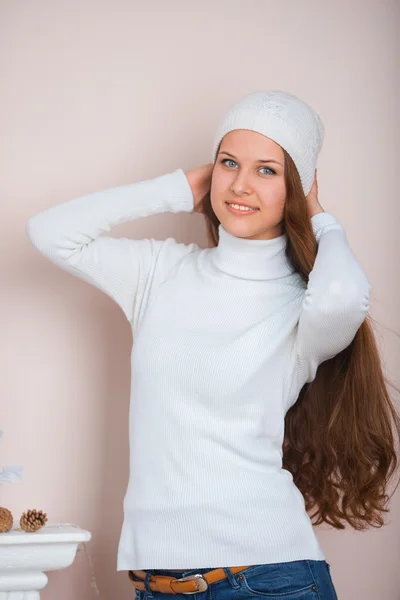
<point>269,169</point>
<point>226,160</point>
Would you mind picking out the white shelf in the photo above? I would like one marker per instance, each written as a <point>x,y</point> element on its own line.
<point>24,558</point>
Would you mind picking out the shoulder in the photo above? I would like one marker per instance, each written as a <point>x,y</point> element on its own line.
<point>171,253</point>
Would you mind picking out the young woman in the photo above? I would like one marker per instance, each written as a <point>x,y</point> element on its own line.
<point>257,390</point>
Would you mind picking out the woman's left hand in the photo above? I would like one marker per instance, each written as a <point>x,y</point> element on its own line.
<point>313,204</point>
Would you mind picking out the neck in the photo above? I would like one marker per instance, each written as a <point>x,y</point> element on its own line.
<point>251,259</point>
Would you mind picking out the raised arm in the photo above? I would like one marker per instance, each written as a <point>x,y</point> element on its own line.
<point>336,300</point>
<point>71,235</point>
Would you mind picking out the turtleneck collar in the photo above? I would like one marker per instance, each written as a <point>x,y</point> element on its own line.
<point>250,259</point>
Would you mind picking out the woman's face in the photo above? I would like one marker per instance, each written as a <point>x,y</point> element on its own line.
<point>249,168</point>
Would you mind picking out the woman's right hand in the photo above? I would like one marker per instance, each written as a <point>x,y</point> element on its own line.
<point>200,182</point>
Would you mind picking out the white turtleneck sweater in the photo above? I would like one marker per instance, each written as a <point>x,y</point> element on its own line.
<point>224,339</point>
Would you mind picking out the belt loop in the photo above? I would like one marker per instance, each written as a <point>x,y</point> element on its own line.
<point>146,583</point>
<point>231,578</point>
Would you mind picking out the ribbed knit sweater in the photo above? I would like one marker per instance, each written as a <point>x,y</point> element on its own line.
<point>224,339</point>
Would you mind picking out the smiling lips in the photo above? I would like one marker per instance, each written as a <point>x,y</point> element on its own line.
<point>244,210</point>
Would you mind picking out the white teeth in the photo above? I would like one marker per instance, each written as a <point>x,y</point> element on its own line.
<point>239,207</point>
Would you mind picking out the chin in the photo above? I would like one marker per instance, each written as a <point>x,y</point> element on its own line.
<point>247,230</point>
<point>240,228</point>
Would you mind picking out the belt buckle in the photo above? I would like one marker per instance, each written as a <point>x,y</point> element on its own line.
<point>202,583</point>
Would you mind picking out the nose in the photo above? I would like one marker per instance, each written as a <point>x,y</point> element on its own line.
<point>240,185</point>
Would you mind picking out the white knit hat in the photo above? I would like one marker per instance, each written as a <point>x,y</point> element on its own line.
<point>286,120</point>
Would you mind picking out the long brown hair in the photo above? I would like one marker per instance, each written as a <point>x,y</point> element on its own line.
<point>339,443</point>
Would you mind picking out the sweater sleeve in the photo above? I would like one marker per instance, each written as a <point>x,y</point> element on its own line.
<point>336,299</point>
<point>70,236</point>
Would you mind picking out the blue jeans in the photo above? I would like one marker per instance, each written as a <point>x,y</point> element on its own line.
<point>294,580</point>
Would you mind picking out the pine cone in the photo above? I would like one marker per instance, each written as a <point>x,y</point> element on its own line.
<point>32,520</point>
<point>6,520</point>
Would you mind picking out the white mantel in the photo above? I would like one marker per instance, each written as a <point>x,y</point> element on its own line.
<point>25,556</point>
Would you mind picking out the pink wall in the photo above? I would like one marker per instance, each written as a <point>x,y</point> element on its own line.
<point>96,94</point>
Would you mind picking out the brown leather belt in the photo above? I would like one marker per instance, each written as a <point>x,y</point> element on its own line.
<point>185,585</point>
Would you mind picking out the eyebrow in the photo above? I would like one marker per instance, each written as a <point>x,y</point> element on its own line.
<point>258,161</point>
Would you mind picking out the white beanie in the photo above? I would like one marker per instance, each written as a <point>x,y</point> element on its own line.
<point>283,118</point>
